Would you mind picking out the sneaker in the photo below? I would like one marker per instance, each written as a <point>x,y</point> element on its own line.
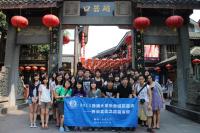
<point>61,129</point>
<point>67,129</point>
<point>31,125</point>
<point>34,125</point>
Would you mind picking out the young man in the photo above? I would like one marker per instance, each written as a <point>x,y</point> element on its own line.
<point>86,82</point>
<point>108,91</point>
<point>124,90</point>
<point>144,95</point>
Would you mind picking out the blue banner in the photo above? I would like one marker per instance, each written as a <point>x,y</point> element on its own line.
<point>101,112</point>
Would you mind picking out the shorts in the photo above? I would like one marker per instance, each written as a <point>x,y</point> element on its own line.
<point>61,108</point>
<point>30,100</point>
<point>143,108</point>
<point>45,105</point>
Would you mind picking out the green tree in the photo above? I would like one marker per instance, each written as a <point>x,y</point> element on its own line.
<point>3,23</point>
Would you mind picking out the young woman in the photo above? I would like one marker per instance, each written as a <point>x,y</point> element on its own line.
<point>157,101</point>
<point>94,91</point>
<point>79,91</point>
<point>98,79</point>
<point>60,94</point>
<point>44,101</point>
<point>33,100</point>
<point>116,81</point>
<point>67,76</point>
<point>73,81</point>
<point>59,83</point>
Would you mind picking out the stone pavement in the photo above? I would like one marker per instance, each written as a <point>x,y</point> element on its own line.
<point>17,122</point>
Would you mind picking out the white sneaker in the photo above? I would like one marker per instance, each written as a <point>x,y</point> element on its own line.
<point>34,125</point>
<point>31,125</point>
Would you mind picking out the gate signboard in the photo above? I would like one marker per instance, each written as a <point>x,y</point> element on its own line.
<point>97,13</point>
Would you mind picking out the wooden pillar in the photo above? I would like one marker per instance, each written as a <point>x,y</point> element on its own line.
<point>60,34</point>
<point>183,64</point>
<point>12,63</point>
<point>133,49</point>
<point>76,43</point>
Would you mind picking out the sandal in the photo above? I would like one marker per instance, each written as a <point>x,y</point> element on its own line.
<point>46,126</point>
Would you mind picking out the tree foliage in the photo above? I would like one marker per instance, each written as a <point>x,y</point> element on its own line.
<point>3,23</point>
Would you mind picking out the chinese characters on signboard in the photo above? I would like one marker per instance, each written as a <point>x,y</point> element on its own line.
<point>139,51</point>
<point>97,8</point>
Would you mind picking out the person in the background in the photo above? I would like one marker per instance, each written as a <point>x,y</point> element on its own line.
<point>116,81</point>
<point>33,100</point>
<point>86,81</point>
<point>137,74</point>
<point>146,74</point>
<point>80,75</point>
<point>169,86</point>
<point>73,81</point>
<point>157,101</point>
<point>67,76</point>
<point>45,101</point>
<point>60,94</point>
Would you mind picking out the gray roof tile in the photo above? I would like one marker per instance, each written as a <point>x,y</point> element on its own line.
<point>11,4</point>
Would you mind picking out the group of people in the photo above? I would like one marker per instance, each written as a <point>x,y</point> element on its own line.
<point>46,94</point>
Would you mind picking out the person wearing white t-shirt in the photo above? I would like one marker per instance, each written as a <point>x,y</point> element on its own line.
<point>144,95</point>
<point>44,101</point>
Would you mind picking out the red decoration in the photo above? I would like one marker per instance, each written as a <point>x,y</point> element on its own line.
<point>168,66</point>
<point>42,69</point>
<point>50,21</point>
<point>128,40</point>
<point>34,68</point>
<point>19,22</point>
<point>21,68</point>
<point>27,68</point>
<point>174,22</point>
<point>66,40</point>
<point>157,69</point>
<point>140,23</point>
<point>196,61</point>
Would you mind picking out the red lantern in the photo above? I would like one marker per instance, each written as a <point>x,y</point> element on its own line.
<point>21,68</point>
<point>140,23</point>
<point>34,68</point>
<point>128,40</point>
<point>50,21</point>
<point>168,66</point>
<point>27,68</point>
<point>196,61</point>
<point>66,40</point>
<point>42,69</point>
<point>174,22</point>
<point>157,69</point>
<point>19,22</point>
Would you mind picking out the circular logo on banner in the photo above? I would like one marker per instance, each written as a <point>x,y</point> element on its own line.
<point>72,104</point>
